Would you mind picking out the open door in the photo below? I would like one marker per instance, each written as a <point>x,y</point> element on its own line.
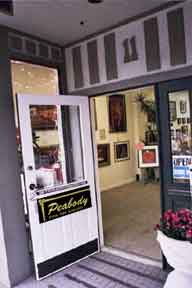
<point>59,176</point>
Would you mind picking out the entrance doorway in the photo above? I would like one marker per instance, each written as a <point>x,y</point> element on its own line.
<point>128,167</point>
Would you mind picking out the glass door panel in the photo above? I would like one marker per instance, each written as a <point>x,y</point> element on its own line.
<point>181,137</point>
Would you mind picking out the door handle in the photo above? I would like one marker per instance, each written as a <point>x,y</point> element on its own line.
<point>33,186</point>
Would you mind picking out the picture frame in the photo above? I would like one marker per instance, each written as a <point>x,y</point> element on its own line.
<point>95,114</point>
<point>179,121</point>
<point>117,113</point>
<point>121,151</point>
<point>184,120</point>
<point>43,117</point>
<point>183,106</point>
<point>148,157</point>
<point>103,155</point>
<point>172,111</point>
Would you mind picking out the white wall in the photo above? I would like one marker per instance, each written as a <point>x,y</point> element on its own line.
<point>119,173</point>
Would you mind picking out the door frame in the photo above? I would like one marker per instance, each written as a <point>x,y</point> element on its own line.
<point>98,190</point>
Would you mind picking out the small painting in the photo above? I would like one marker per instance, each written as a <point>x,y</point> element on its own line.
<point>103,154</point>
<point>117,113</point>
<point>183,106</point>
<point>148,157</point>
<point>43,117</point>
<point>172,110</point>
<point>122,151</point>
<point>179,121</point>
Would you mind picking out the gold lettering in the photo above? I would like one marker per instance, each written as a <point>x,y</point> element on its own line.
<point>55,207</point>
<point>52,207</point>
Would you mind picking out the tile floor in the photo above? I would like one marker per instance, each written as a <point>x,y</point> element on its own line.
<point>130,213</point>
<point>103,270</point>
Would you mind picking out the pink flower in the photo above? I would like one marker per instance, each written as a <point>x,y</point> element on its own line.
<point>189,234</point>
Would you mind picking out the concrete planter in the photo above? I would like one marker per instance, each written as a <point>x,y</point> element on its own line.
<point>179,256</point>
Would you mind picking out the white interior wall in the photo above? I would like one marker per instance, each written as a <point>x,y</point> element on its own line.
<point>122,172</point>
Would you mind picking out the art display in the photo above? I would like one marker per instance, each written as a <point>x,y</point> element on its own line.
<point>117,113</point>
<point>183,106</point>
<point>103,153</point>
<point>172,110</point>
<point>121,151</point>
<point>148,156</point>
<point>43,117</point>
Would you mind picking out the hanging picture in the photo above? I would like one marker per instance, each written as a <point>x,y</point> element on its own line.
<point>148,156</point>
<point>122,151</point>
<point>43,117</point>
<point>95,114</point>
<point>103,154</point>
<point>117,113</point>
<point>172,110</point>
<point>183,106</point>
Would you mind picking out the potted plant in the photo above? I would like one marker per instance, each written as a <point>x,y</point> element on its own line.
<point>174,234</point>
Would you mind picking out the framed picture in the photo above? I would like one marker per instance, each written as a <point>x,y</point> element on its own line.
<point>117,113</point>
<point>103,154</point>
<point>43,117</point>
<point>95,114</point>
<point>183,106</point>
<point>184,130</point>
<point>149,157</point>
<point>172,111</point>
<point>184,120</point>
<point>179,121</point>
<point>122,151</point>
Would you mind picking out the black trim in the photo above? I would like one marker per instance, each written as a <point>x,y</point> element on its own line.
<point>63,260</point>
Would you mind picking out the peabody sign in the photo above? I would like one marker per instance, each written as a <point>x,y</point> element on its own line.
<point>65,203</point>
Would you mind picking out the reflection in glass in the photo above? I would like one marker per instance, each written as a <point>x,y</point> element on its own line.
<point>180,131</point>
<point>56,144</point>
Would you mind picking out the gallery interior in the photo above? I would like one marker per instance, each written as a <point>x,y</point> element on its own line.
<point>129,180</point>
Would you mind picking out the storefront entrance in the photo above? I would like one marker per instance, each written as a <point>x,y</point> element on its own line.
<point>128,168</point>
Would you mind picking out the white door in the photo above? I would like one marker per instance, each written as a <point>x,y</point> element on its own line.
<point>59,175</point>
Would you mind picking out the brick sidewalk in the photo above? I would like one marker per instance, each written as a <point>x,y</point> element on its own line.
<point>103,270</point>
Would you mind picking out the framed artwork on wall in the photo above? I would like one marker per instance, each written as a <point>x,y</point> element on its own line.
<point>149,157</point>
<point>103,154</point>
<point>183,106</point>
<point>117,113</point>
<point>43,117</point>
<point>121,151</point>
<point>95,114</point>
<point>172,110</point>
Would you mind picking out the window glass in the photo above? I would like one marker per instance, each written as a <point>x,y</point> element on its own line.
<point>180,130</point>
<point>56,144</point>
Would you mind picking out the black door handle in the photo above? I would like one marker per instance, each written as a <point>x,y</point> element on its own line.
<point>33,186</point>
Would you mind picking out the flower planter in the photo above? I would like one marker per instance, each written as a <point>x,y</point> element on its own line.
<point>179,256</point>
